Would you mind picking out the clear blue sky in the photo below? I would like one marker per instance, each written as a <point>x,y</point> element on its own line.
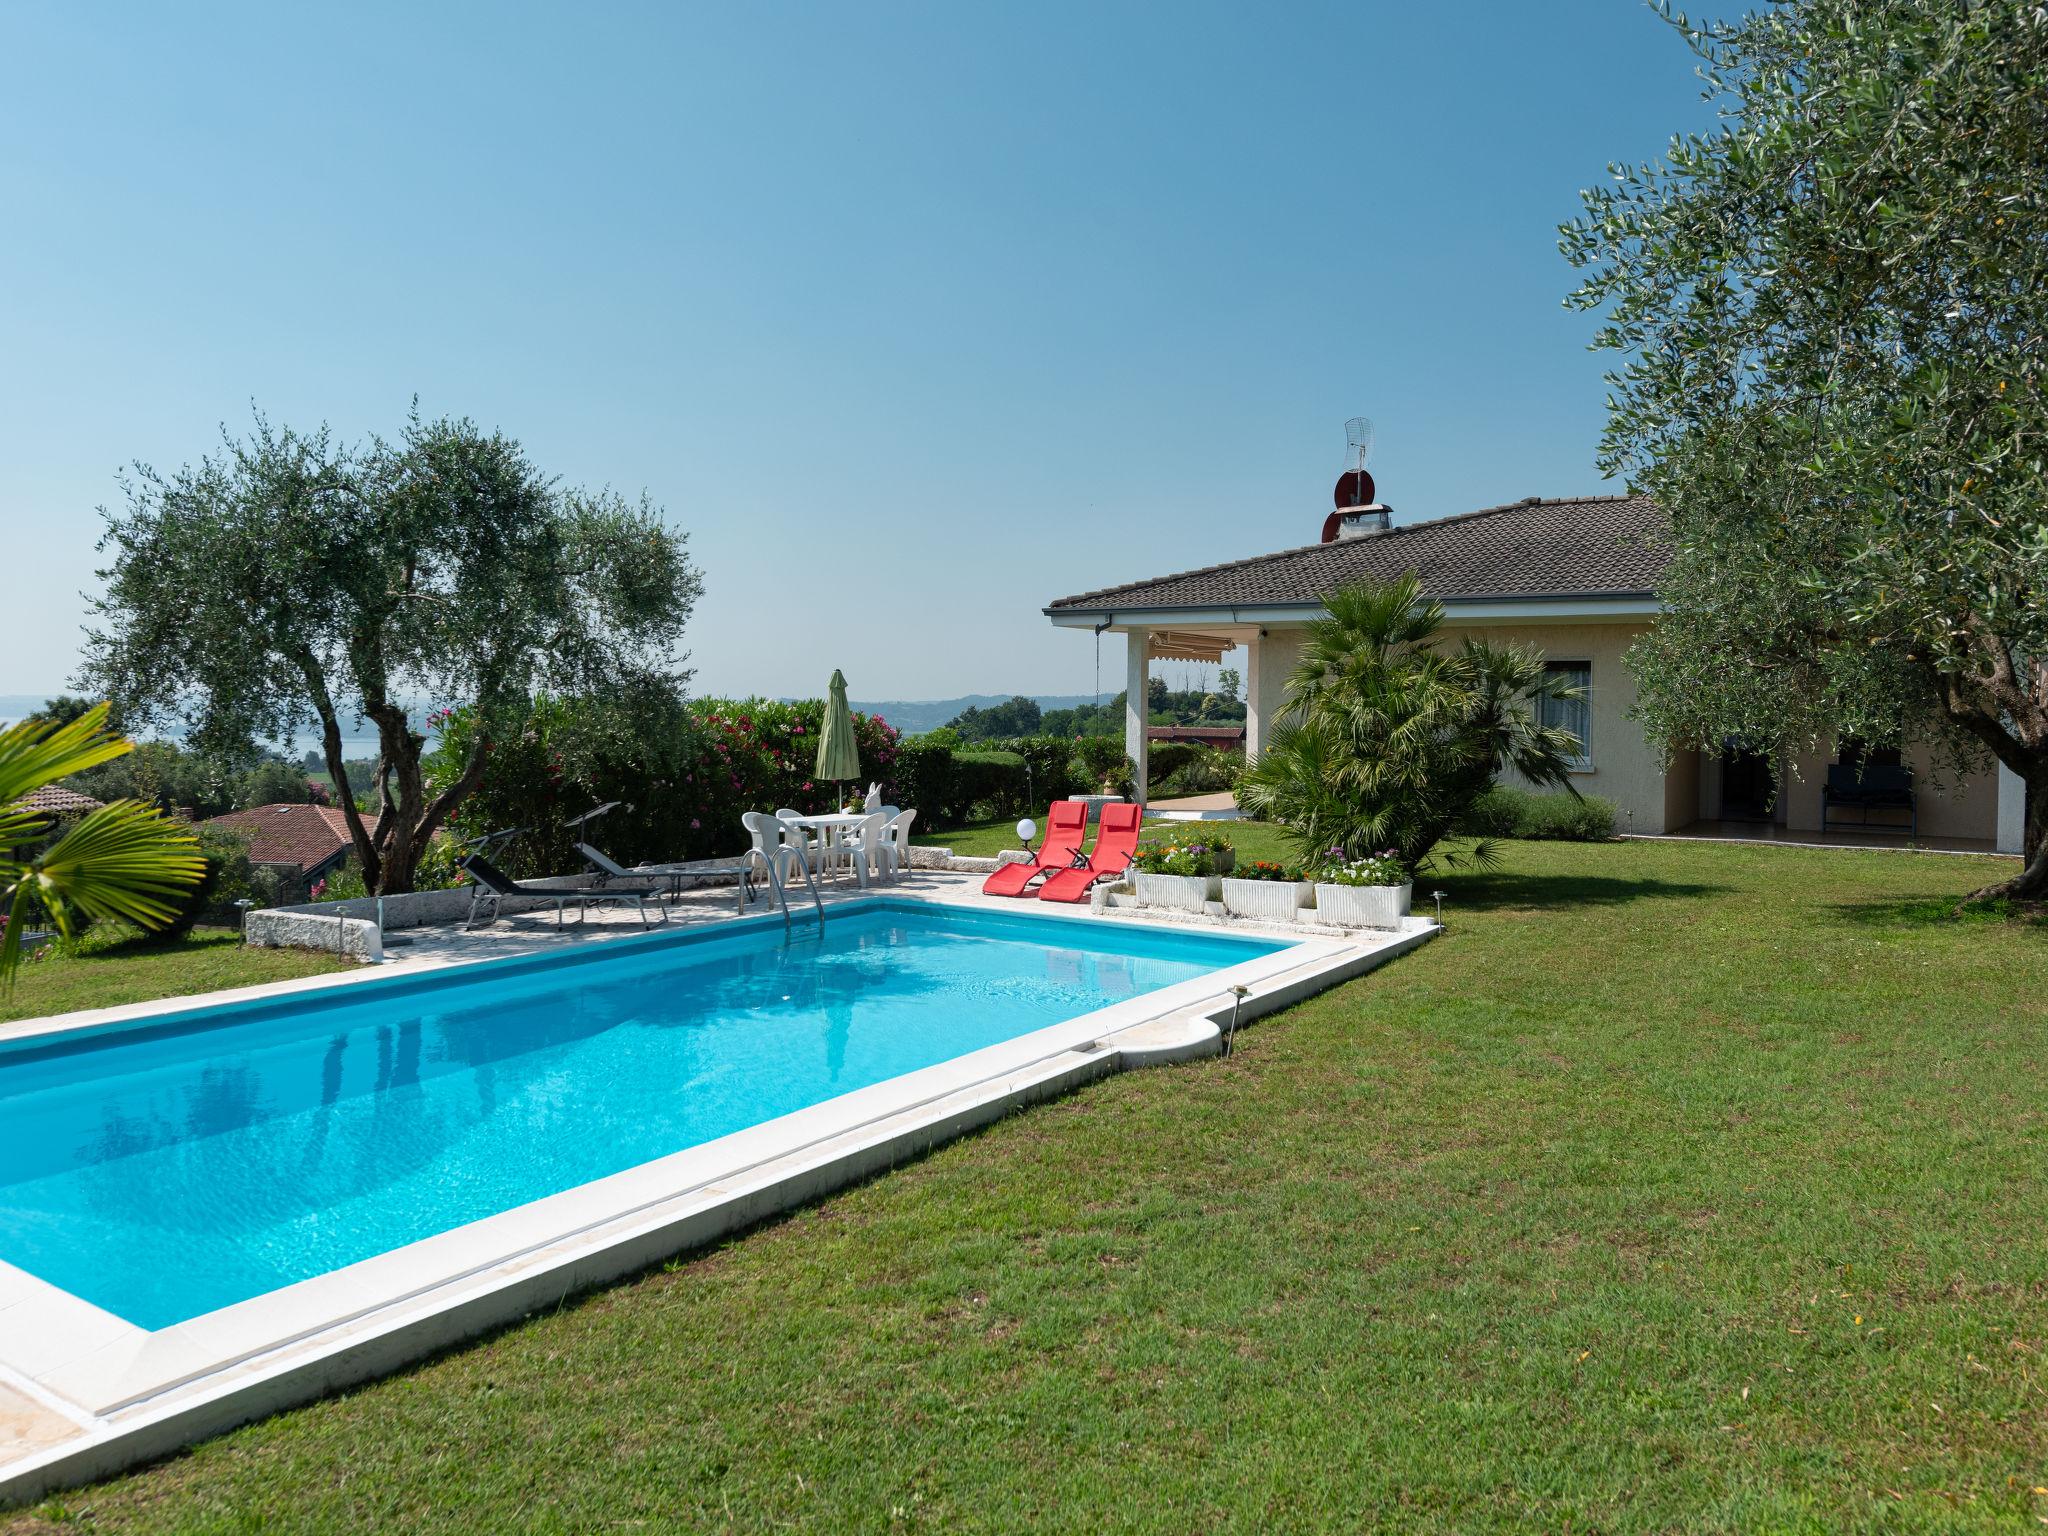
<point>914,316</point>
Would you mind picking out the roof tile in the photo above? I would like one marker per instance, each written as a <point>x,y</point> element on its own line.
<point>1579,546</point>
<point>301,836</point>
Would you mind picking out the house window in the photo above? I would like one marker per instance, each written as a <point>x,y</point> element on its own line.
<point>1571,714</point>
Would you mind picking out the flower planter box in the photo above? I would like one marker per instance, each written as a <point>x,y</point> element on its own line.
<point>1362,906</point>
<point>1188,893</point>
<point>1270,901</point>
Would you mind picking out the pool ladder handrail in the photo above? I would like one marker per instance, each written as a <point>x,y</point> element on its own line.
<point>776,884</point>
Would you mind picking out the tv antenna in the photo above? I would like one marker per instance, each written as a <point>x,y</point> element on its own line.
<point>1354,486</point>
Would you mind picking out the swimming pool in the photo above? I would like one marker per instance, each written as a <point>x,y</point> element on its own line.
<point>164,1171</point>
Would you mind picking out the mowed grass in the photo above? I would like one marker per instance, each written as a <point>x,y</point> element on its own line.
<point>105,971</point>
<point>1678,1187</point>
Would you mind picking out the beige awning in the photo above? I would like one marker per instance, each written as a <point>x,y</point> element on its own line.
<point>1188,645</point>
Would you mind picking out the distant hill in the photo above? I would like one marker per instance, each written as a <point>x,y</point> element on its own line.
<point>914,717</point>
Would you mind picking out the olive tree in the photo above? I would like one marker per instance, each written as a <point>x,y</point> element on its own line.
<point>1832,310</point>
<point>292,582</point>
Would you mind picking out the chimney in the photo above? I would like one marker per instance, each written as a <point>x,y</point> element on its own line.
<point>1358,515</point>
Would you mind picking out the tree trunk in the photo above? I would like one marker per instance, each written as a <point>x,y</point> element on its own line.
<point>399,842</point>
<point>2031,883</point>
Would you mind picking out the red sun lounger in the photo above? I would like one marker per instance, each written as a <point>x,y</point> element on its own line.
<point>1114,845</point>
<point>1066,824</point>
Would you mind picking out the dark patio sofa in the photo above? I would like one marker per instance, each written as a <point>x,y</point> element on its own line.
<point>1875,787</point>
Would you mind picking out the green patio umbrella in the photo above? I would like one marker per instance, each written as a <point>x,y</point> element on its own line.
<point>838,754</point>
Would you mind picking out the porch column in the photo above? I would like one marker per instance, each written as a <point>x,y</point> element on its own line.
<point>1137,672</point>
<point>1255,705</point>
<point>2012,811</point>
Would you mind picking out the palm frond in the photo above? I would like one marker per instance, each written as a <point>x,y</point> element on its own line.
<point>124,860</point>
<point>33,754</point>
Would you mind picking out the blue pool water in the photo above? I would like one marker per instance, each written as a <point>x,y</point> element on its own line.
<point>164,1172</point>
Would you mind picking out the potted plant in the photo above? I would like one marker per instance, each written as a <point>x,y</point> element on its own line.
<point>1270,892</point>
<point>1182,872</point>
<point>1371,892</point>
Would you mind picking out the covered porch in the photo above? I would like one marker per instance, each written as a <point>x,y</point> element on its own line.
<point>1204,640</point>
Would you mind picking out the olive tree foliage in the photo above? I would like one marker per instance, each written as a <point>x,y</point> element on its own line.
<point>291,582</point>
<point>1832,311</point>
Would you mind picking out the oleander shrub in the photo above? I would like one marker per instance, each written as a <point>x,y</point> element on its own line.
<point>683,772</point>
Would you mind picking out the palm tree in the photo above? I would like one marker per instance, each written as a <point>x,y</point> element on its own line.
<point>1387,738</point>
<point>123,860</point>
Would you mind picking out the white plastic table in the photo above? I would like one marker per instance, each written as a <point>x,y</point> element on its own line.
<point>831,826</point>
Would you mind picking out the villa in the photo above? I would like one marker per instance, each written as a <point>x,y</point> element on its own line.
<point>1573,578</point>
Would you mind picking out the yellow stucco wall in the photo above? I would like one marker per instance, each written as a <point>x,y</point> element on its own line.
<point>1629,771</point>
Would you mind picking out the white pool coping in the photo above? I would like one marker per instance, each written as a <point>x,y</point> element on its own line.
<point>101,1394</point>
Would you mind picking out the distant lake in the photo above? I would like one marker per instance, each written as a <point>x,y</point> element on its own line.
<point>17,706</point>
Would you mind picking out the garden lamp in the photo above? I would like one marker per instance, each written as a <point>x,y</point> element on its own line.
<point>1027,829</point>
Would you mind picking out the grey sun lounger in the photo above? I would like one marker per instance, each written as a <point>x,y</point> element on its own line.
<point>491,886</point>
<point>609,869</point>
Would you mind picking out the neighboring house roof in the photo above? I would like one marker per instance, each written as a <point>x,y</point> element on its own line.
<point>301,837</point>
<point>53,800</point>
<point>1582,546</point>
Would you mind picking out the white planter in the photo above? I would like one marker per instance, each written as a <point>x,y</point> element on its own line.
<point>1362,906</point>
<point>1186,892</point>
<point>1270,901</point>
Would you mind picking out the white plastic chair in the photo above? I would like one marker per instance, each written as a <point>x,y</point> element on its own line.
<point>769,843</point>
<point>897,831</point>
<point>869,847</point>
<point>817,851</point>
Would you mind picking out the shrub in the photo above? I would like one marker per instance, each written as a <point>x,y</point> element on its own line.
<point>987,784</point>
<point>1102,765</point>
<point>1562,818</point>
<point>682,771</point>
<point>1164,759</point>
<point>1500,812</point>
<point>1050,771</point>
<point>1206,771</point>
<point>1505,811</point>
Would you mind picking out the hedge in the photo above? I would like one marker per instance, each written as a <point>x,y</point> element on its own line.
<point>1504,811</point>
<point>685,770</point>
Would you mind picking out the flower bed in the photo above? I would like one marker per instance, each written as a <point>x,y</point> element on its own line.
<point>1267,892</point>
<point>1372,892</point>
<point>1183,872</point>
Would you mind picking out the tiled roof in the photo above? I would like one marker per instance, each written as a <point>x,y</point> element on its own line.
<point>1582,546</point>
<point>52,800</point>
<point>301,836</point>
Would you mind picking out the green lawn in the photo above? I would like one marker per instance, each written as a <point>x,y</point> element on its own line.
<point>1678,1187</point>
<point>205,960</point>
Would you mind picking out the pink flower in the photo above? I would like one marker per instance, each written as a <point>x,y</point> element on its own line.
<point>695,823</point>
<point>807,783</point>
